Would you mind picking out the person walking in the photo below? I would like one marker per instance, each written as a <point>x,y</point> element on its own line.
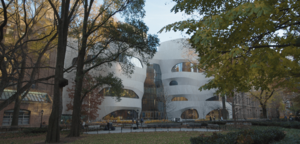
<point>137,123</point>
<point>142,120</point>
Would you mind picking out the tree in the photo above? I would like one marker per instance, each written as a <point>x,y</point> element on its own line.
<point>165,98</point>
<point>265,97</point>
<point>24,43</point>
<point>63,16</point>
<point>91,102</point>
<point>114,41</point>
<point>238,42</point>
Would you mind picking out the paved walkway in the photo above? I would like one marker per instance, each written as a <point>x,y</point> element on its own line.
<point>128,130</point>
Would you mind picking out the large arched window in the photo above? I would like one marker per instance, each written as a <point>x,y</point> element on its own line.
<point>121,115</point>
<point>179,99</point>
<point>186,67</point>
<point>124,93</point>
<point>173,83</point>
<point>190,114</point>
<point>24,116</point>
<point>130,59</point>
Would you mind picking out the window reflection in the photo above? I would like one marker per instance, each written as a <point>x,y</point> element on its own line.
<point>125,93</point>
<point>152,103</point>
<point>179,99</point>
<point>186,67</point>
<point>129,59</point>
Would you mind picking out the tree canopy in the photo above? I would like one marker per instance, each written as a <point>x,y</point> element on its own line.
<point>243,43</point>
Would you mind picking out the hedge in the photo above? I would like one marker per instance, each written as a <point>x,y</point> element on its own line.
<point>34,130</point>
<point>249,136</point>
<point>295,125</point>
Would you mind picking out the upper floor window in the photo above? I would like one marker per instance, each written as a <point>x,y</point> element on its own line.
<point>179,99</point>
<point>173,83</point>
<point>125,93</point>
<point>186,67</point>
<point>130,59</point>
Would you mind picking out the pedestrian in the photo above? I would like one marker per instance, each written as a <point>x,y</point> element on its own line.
<point>83,124</point>
<point>285,118</point>
<point>221,118</point>
<point>142,120</point>
<point>137,123</point>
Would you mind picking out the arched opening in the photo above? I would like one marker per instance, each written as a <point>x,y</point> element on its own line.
<point>24,117</point>
<point>179,99</point>
<point>190,114</point>
<point>216,114</point>
<point>125,93</point>
<point>130,59</point>
<point>121,115</point>
<point>173,82</point>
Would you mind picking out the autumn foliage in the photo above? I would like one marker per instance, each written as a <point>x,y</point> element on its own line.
<point>91,101</point>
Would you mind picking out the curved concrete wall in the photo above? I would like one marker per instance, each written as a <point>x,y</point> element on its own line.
<point>135,83</point>
<point>171,53</point>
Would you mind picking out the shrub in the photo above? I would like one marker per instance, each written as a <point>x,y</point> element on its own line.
<point>34,130</point>
<point>218,122</point>
<point>204,124</point>
<point>295,125</point>
<point>249,136</point>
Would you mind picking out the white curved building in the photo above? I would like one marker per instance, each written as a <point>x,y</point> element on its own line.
<point>181,81</point>
<point>169,85</point>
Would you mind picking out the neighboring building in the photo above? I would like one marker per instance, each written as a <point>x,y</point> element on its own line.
<point>31,108</point>
<point>246,107</point>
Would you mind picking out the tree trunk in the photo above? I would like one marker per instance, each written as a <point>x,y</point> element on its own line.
<point>53,133</point>
<point>76,114</point>
<point>224,114</point>
<point>15,118</point>
<point>264,109</point>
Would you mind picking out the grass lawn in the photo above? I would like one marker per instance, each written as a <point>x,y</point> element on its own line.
<point>120,138</point>
<point>292,136</point>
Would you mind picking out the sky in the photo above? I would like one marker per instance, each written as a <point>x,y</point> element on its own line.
<point>158,15</point>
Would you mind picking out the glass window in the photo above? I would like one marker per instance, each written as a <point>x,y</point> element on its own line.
<point>121,115</point>
<point>173,83</point>
<point>124,93</point>
<point>186,67</point>
<point>179,99</point>
<point>24,116</point>
<point>190,114</point>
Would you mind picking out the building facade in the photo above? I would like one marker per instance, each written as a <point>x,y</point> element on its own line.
<point>167,88</point>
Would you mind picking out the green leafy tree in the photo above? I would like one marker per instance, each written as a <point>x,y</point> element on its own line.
<point>109,41</point>
<point>239,44</point>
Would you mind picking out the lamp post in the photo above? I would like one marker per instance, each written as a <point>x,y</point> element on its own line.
<point>137,120</point>
<point>42,111</point>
